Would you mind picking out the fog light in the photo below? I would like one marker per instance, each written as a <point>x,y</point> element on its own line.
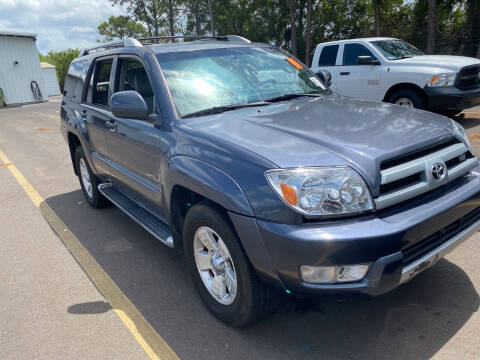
<point>333,274</point>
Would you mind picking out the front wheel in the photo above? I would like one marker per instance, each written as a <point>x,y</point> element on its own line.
<point>407,97</point>
<point>221,271</point>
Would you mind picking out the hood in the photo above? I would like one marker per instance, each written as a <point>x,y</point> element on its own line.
<point>328,131</point>
<point>450,62</point>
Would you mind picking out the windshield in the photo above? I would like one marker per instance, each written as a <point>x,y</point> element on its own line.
<point>212,78</point>
<point>396,49</point>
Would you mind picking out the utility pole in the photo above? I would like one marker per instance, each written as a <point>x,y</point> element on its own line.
<point>212,25</point>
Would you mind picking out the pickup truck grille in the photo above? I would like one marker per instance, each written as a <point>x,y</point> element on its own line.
<point>469,78</point>
<point>423,247</point>
<point>413,175</point>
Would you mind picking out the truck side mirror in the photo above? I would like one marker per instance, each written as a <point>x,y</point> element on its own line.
<point>129,105</point>
<point>367,60</point>
<point>325,76</point>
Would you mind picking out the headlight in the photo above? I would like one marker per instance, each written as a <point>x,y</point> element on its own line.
<point>460,131</point>
<point>440,80</point>
<point>321,190</point>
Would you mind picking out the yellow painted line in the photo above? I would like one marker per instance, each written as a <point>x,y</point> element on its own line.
<point>148,338</point>
<point>56,117</point>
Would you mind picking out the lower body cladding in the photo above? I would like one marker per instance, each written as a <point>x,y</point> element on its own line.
<point>451,98</point>
<point>395,244</point>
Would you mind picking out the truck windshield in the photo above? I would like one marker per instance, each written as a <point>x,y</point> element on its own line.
<point>227,78</point>
<point>396,49</point>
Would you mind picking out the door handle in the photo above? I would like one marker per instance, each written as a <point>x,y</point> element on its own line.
<point>345,73</point>
<point>111,125</point>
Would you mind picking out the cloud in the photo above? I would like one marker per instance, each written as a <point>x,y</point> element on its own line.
<point>59,24</point>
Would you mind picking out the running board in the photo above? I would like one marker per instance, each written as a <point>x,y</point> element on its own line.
<point>142,216</point>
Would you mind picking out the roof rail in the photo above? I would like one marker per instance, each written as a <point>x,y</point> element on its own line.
<point>155,39</point>
<point>129,42</point>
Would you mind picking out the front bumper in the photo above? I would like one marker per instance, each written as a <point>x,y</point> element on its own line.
<point>451,98</point>
<point>398,243</point>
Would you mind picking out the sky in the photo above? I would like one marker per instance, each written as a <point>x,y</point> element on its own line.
<point>60,24</point>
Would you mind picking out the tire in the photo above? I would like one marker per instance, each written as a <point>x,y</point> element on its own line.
<point>404,96</point>
<point>94,198</point>
<point>252,299</point>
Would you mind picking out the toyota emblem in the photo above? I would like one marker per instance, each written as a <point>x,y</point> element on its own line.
<point>439,171</point>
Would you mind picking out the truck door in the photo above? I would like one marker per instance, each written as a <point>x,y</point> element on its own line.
<point>354,80</point>
<point>133,144</point>
<point>327,60</point>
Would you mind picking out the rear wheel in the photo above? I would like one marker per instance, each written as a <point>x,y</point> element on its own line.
<point>407,97</point>
<point>88,181</point>
<point>221,271</point>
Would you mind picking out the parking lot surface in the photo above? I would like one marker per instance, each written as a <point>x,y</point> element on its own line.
<point>82,283</point>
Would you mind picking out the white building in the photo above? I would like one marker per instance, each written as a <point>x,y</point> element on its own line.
<point>50,79</point>
<point>20,68</point>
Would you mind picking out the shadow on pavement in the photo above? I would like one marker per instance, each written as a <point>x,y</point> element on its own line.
<point>414,321</point>
<point>93,307</point>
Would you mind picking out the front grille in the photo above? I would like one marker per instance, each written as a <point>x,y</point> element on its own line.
<point>416,251</point>
<point>469,78</point>
<point>411,175</point>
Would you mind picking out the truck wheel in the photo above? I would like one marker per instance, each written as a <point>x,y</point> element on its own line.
<point>221,271</point>
<point>88,181</point>
<point>407,97</point>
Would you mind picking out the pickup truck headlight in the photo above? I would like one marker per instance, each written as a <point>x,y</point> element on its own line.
<point>321,190</point>
<point>460,131</point>
<point>441,80</point>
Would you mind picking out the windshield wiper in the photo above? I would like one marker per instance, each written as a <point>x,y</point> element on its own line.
<point>285,97</point>
<point>405,57</point>
<point>221,109</point>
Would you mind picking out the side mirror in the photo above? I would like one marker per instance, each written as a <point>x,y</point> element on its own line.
<point>325,76</point>
<point>128,105</point>
<point>367,60</point>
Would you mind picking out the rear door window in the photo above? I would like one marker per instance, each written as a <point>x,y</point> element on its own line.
<point>352,51</point>
<point>74,80</point>
<point>99,87</point>
<point>328,56</point>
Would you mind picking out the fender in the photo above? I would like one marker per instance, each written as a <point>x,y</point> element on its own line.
<point>209,182</point>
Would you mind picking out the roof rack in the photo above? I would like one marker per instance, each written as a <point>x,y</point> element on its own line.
<point>130,42</point>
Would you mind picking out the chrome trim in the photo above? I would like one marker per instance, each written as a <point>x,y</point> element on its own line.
<point>433,256</point>
<point>423,166</point>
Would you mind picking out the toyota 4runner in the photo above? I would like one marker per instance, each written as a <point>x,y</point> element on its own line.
<point>238,155</point>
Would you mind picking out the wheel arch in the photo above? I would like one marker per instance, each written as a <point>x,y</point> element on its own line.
<point>402,86</point>
<point>73,143</point>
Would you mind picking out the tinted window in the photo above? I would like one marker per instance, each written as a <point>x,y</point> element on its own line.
<point>352,51</point>
<point>133,76</point>
<point>74,80</point>
<point>328,57</point>
<point>100,83</point>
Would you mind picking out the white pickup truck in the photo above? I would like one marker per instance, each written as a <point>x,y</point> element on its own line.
<point>392,70</point>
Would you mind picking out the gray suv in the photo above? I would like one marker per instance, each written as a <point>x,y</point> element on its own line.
<point>237,154</point>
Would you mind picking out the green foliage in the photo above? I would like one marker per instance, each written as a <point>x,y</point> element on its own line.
<point>121,27</point>
<point>61,60</point>
<point>457,21</point>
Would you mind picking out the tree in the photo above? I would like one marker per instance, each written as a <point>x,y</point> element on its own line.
<point>212,24</point>
<point>431,26</point>
<point>308,46</point>
<point>293,26</point>
<point>62,61</point>
<point>121,27</point>
<point>377,6</point>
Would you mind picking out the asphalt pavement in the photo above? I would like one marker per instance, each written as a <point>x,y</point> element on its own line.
<point>54,306</point>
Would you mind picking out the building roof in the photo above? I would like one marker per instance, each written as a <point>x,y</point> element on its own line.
<point>18,34</point>
<point>45,65</point>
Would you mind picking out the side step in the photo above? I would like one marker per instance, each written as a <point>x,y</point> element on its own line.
<point>145,218</point>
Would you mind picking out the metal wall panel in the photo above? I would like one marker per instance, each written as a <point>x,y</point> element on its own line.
<point>15,79</point>
<point>51,82</point>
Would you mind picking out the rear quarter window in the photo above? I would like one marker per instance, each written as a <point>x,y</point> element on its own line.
<point>74,80</point>
<point>328,56</point>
